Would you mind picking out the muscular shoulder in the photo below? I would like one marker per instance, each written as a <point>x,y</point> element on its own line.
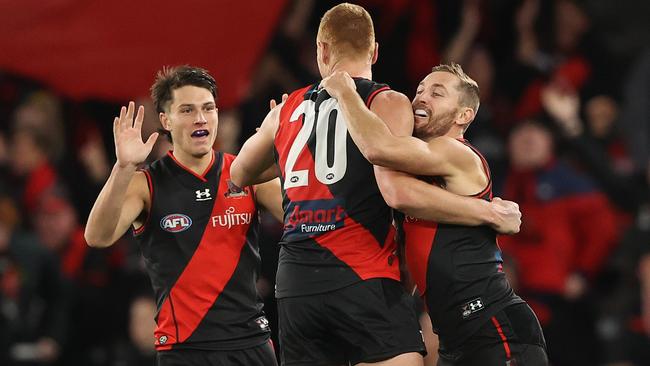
<point>396,111</point>
<point>456,152</point>
<point>448,143</point>
<point>388,99</point>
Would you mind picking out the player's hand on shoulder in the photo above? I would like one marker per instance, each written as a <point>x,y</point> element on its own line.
<point>507,216</point>
<point>338,83</point>
<point>127,131</point>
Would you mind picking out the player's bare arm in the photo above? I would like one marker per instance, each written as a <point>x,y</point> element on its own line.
<point>374,138</point>
<point>126,194</point>
<point>255,161</point>
<point>425,201</point>
<point>441,156</point>
<point>428,202</point>
<point>269,195</point>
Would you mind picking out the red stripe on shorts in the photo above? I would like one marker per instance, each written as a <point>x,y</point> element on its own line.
<point>506,346</point>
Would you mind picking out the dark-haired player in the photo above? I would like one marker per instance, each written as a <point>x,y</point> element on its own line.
<point>199,243</point>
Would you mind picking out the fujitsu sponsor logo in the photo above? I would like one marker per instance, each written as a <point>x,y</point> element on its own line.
<point>313,217</point>
<point>175,223</point>
<point>231,218</point>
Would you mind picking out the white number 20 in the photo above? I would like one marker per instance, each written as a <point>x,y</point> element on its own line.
<point>324,173</point>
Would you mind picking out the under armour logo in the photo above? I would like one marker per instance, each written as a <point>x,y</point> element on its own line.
<point>203,195</point>
<point>262,322</point>
<point>472,307</point>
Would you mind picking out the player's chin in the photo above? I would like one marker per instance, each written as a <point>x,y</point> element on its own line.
<point>420,122</point>
<point>201,149</point>
<point>200,154</point>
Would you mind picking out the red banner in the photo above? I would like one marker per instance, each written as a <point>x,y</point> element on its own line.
<point>112,50</point>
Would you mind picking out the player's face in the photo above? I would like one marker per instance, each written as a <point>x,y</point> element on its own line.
<point>193,120</point>
<point>436,105</point>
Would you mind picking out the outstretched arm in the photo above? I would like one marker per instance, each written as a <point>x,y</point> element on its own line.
<point>254,163</point>
<point>375,140</point>
<point>125,194</point>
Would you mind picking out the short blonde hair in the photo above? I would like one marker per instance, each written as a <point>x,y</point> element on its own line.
<point>349,30</point>
<point>470,96</point>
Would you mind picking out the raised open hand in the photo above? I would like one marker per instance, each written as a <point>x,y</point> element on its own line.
<point>527,14</point>
<point>471,16</point>
<point>129,148</point>
<point>564,108</point>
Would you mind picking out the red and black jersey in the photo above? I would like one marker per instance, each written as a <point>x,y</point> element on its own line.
<point>337,227</point>
<point>458,270</point>
<point>201,252</point>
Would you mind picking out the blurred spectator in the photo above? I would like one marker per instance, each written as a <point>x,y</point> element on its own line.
<point>624,323</point>
<point>567,232</point>
<point>287,64</point>
<point>34,301</point>
<point>139,349</point>
<point>408,33</point>
<point>554,46</point>
<point>30,162</point>
<point>635,119</point>
<point>597,146</point>
<point>229,131</point>
<point>465,37</point>
<point>42,111</point>
<point>4,153</point>
<point>92,274</point>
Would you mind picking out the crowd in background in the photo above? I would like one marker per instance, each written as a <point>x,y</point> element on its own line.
<point>564,122</point>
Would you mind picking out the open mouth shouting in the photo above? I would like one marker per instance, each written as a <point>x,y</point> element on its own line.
<point>421,112</point>
<point>200,133</point>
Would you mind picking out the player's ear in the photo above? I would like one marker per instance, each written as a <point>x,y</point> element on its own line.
<point>325,50</point>
<point>164,121</point>
<point>466,116</point>
<point>375,54</point>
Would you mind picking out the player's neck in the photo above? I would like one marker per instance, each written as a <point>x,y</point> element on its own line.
<point>356,69</point>
<point>197,164</point>
<point>455,132</point>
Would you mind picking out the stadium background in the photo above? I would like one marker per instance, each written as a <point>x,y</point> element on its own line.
<point>564,123</point>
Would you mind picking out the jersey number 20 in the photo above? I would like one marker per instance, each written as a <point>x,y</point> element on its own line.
<point>324,173</point>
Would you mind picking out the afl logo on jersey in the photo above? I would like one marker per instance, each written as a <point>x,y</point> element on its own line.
<point>175,223</point>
